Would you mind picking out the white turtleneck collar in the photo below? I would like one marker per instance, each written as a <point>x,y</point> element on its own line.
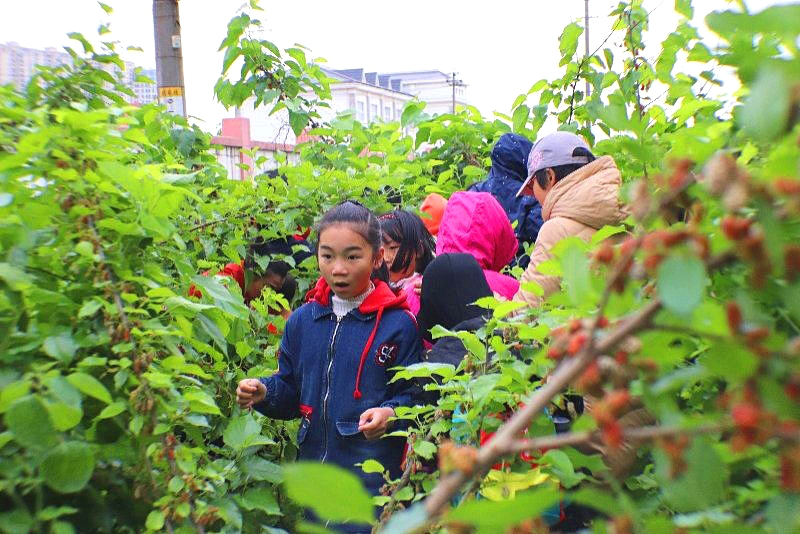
<point>342,307</point>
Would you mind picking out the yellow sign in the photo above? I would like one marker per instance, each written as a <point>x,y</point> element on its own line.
<point>166,92</point>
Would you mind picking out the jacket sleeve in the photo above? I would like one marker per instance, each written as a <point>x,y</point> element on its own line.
<point>401,392</point>
<point>551,233</point>
<point>283,393</point>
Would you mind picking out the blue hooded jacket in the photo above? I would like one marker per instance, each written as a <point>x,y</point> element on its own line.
<point>508,172</point>
<point>330,372</point>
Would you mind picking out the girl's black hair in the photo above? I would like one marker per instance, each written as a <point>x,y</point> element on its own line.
<point>362,221</point>
<point>562,171</point>
<point>415,241</point>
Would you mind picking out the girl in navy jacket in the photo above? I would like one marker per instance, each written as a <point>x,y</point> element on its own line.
<point>337,351</point>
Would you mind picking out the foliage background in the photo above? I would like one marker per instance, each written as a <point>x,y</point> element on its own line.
<point>117,389</point>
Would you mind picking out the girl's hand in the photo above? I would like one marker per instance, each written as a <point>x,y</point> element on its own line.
<point>416,285</point>
<point>250,391</point>
<point>374,422</point>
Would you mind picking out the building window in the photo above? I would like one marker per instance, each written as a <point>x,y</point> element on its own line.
<point>387,113</point>
<point>360,111</point>
<point>374,111</point>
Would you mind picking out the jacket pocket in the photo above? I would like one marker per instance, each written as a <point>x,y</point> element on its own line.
<point>349,429</point>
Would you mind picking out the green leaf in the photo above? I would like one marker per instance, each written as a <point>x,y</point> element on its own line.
<point>112,410</point>
<point>684,7</point>
<point>244,431</point>
<point>424,448</point>
<point>504,308</point>
<point>298,121</point>
<point>155,520</point>
<point>496,516</point>
<point>29,422</point>
<point>701,485</point>
<point>260,499</point>
<point>243,349</point>
<point>765,112</point>
<point>68,467</point>
<point>17,521</point>
<point>783,513</point>
<point>15,278</point>
<point>615,116</point>
<point>261,469</point>
<point>201,402</point>
<point>575,266</point>
<point>568,42</point>
<point>89,385</point>
<point>681,283</point>
<point>321,487</point>
<point>520,118</point>
<point>12,392</point>
<point>731,361</point>
<point>61,347</point>
<point>52,512</point>
<point>372,466</point>
<point>228,301</point>
<point>407,521</point>
<point>559,464</point>
<point>473,344</point>
<point>64,416</point>
<point>89,308</point>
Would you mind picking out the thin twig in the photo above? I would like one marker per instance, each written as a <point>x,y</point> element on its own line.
<point>688,331</point>
<point>225,219</point>
<point>647,433</point>
<point>113,279</point>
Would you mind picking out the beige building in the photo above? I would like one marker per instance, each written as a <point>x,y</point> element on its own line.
<point>18,65</point>
<point>368,96</point>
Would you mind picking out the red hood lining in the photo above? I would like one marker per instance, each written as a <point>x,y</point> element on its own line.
<point>382,298</point>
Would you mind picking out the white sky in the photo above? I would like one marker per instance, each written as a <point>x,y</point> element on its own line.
<point>498,48</point>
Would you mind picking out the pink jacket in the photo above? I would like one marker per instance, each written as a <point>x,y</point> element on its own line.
<point>408,285</point>
<point>475,223</point>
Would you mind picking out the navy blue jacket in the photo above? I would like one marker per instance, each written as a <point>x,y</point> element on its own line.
<point>330,372</point>
<point>508,172</point>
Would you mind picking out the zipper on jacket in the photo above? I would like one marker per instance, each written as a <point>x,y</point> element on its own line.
<point>328,387</point>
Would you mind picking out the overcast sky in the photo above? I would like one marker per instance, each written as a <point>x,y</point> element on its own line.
<point>499,49</point>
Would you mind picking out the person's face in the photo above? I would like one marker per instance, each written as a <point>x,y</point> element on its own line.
<point>391,248</point>
<point>534,187</point>
<point>346,260</point>
<point>258,283</point>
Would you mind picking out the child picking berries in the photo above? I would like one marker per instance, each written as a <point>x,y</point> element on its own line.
<point>338,350</point>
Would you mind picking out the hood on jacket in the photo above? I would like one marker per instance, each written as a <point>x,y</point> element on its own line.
<point>450,286</point>
<point>433,208</point>
<point>509,170</point>
<point>590,195</point>
<point>475,223</point>
<point>510,157</point>
<point>382,298</point>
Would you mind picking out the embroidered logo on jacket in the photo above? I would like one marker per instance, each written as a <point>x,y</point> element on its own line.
<point>386,354</point>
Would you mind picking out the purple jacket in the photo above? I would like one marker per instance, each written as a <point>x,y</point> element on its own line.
<point>476,224</point>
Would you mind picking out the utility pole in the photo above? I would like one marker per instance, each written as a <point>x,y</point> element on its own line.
<point>586,38</point>
<point>169,56</point>
<point>454,83</point>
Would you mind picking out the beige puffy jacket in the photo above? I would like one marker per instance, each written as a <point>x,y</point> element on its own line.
<point>577,205</point>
